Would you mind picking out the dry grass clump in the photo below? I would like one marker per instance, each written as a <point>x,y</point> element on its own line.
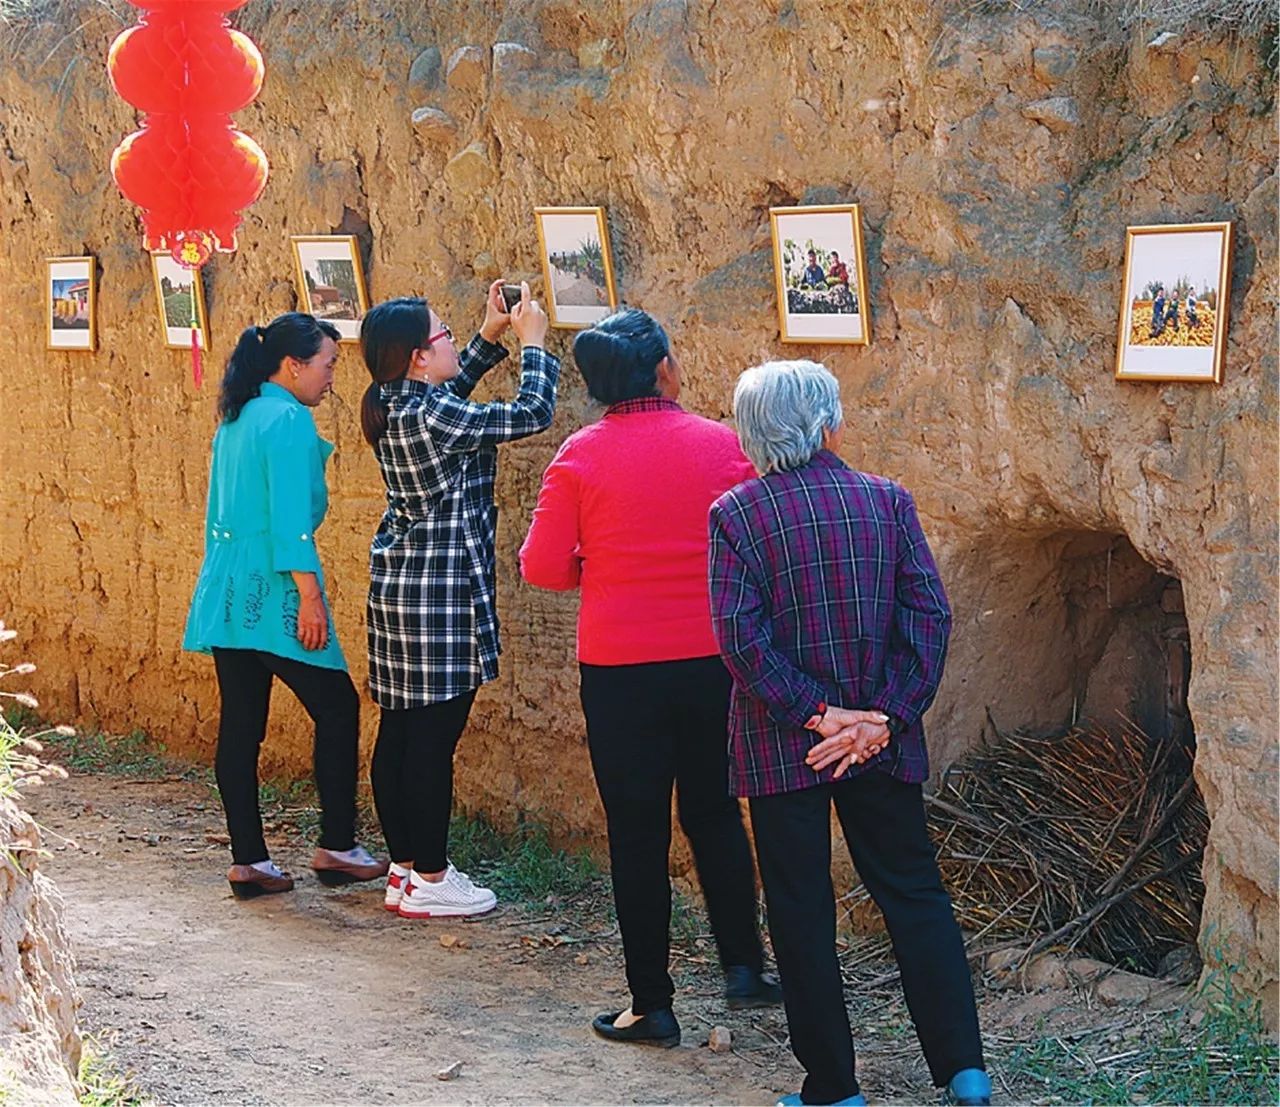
<point>1092,840</point>
<point>20,762</point>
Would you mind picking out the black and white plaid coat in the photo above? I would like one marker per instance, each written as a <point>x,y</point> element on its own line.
<point>433,622</point>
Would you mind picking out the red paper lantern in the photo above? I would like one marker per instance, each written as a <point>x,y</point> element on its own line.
<point>189,170</point>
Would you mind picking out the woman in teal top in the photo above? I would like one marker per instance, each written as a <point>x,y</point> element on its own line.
<point>259,604</point>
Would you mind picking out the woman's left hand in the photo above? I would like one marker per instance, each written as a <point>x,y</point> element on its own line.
<point>851,746</point>
<point>496,317</point>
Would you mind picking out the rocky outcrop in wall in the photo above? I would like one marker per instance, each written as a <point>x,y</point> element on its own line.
<point>39,1043</point>
<point>998,157</point>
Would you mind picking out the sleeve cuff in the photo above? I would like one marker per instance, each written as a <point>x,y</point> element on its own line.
<point>295,553</point>
<point>490,353</point>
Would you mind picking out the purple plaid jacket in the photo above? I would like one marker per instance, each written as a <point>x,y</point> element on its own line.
<point>823,589</point>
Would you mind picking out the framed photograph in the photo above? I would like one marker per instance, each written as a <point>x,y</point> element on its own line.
<point>1173,313</point>
<point>177,289</point>
<point>577,265</point>
<point>821,274</point>
<point>71,299</point>
<point>331,281</point>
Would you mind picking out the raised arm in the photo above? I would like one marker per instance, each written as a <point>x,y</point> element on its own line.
<point>456,425</point>
<point>477,358</point>
<point>482,353</point>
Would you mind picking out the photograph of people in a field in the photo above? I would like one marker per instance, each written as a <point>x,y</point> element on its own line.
<point>1171,325</point>
<point>1174,288</point>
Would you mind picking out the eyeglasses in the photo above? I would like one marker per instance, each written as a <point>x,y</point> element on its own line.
<point>443,332</point>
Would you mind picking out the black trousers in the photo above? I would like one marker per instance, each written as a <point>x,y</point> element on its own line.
<point>412,779</point>
<point>884,824</point>
<point>244,684</point>
<point>649,726</point>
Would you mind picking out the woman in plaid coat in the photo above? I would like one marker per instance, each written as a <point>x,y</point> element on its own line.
<point>830,614</point>
<point>433,624</point>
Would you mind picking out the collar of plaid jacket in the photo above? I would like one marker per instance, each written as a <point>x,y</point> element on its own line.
<point>404,387</point>
<point>642,403</point>
<point>826,460</point>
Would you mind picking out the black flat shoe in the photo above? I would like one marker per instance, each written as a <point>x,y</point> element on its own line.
<point>745,988</point>
<point>247,882</point>
<point>658,1028</point>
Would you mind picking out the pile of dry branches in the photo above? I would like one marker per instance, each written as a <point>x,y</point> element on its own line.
<point>1091,840</point>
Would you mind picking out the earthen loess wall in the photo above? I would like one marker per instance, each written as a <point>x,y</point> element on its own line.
<point>998,157</point>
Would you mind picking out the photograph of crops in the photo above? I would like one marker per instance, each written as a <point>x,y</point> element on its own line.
<point>178,292</point>
<point>1173,316</point>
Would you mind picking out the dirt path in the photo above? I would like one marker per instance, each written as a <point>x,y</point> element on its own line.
<point>322,997</point>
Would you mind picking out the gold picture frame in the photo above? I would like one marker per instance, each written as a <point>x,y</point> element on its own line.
<point>174,285</point>
<point>331,284</point>
<point>830,308</point>
<point>577,268</point>
<point>1176,329</point>
<point>71,303</point>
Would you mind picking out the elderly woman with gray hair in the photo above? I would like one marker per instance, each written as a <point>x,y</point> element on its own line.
<point>830,615</point>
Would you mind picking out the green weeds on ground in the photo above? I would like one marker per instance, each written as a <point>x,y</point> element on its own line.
<point>1218,1052</point>
<point>102,1084</point>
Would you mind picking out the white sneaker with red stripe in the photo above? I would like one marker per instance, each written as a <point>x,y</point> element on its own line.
<point>452,896</point>
<point>395,887</point>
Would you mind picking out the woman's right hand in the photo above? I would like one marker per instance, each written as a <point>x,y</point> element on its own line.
<point>313,614</point>
<point>528,319</point>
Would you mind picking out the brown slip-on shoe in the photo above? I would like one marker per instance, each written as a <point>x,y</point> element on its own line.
<point>333,872</point>
<point>247,882</point>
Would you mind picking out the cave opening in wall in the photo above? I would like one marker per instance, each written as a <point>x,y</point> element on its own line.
<point>1076,820</point>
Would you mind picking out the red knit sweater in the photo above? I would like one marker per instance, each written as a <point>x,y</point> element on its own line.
<point>622,512</point>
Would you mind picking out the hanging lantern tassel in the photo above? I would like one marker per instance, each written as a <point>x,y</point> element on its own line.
<point>197,362</point>
<point>191,249</point>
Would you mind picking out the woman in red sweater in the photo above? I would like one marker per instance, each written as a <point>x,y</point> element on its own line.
<point>622,514</point>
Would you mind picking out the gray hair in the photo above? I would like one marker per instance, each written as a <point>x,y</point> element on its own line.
<point>782,408</point>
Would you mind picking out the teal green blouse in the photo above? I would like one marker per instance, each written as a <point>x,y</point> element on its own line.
<point>267,496</point>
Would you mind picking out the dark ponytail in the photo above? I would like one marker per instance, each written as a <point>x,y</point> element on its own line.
<point>620,355</point>
<point>389,334</point>
<point>260,351</point>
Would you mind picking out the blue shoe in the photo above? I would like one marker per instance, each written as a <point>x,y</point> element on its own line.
<point>969,1088</point>
<point>794,1100</point>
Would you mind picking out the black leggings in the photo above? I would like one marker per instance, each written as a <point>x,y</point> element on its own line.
<point>244,684</point>
<point>649,726</point>
<point>412,779</point>
<point>884,827</point>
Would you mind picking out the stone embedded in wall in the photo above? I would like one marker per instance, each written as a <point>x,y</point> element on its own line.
<point>511,58</point>
<point>434,123</point>
<point>1054,63</point>
<point>39,1042</point>
<point>1058,113</point>
<point>424,73</point>
<point>466,70</point>
<point>470,170</point>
